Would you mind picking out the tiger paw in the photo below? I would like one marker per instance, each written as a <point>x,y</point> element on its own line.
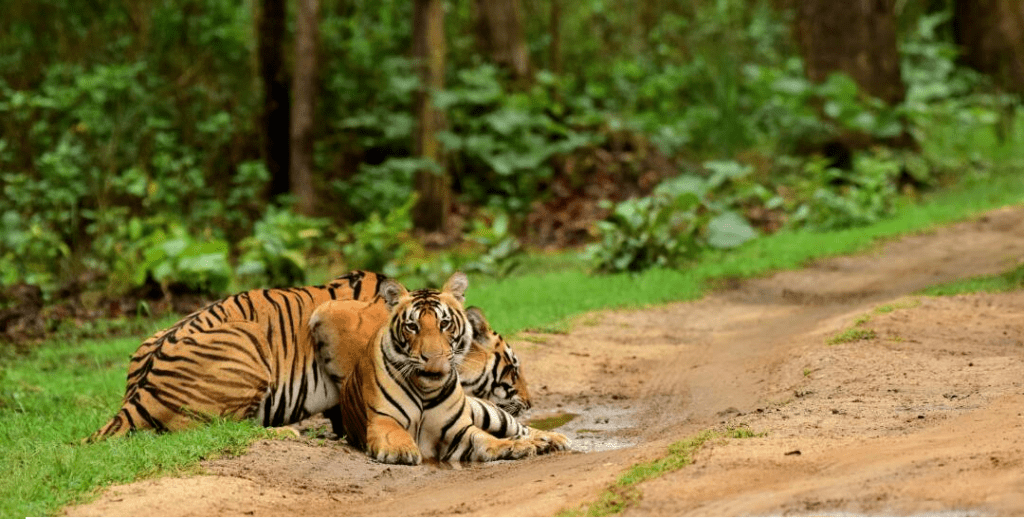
<point>548,441</point>
<point>404,455</point>
<point>513,449</point>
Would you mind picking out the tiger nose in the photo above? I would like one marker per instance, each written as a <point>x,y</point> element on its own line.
<point>438,365</point>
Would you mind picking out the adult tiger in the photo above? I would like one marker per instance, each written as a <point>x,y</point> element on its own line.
<point>403,400</point>
<point>490,370</point>
<point>248,355</point>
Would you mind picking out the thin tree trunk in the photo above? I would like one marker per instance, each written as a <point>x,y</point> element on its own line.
<point>991,34</point>
<point>556,36</point>
<point>429,49</point>
<point>857,37</point>
<point>499,33</point>
<point>274,120</point>
<point>307,35</point>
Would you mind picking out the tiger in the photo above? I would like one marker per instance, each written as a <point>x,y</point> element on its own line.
<point>403,401</point>
<point>250,356</point>
<point>490,370</point>
<point>245,356</point>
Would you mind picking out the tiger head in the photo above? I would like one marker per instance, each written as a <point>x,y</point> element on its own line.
<point>428,332</point>
<point>491,369</point>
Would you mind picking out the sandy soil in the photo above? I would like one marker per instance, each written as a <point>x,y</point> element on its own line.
<point>924,418</point>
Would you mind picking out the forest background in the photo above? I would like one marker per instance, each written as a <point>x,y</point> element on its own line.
<point>157,154</point>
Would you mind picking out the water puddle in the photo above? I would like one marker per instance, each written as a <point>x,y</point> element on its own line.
<point>593,428</point>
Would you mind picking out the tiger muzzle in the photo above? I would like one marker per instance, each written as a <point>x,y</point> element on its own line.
<point>435,370</point>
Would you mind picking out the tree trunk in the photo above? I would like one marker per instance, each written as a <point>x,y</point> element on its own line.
<point>857,37</point>
<point>556,36</point>
<point>428,49</point>
<point>274,120</point>
<point>991,34</point>
<point>499,34</point>
<point>307,36</point>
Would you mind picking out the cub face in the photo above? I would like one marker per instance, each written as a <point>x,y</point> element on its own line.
<point>492,357</point>
<point>430,332</point>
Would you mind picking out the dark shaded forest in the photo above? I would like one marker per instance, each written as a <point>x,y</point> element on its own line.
<point>151,149</point>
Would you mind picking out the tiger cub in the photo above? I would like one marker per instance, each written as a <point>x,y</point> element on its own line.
<point>490,370</point>
<point>403,401</point>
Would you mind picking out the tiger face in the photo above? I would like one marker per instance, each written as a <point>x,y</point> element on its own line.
<point>492,370</point>
<point>429,333</point>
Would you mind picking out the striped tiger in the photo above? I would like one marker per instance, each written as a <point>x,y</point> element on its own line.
<point>403,400</point>
<point>248,355</point>
<point>251,356</point>
<point>490,370</point>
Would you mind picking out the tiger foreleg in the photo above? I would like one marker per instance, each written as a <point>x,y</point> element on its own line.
<point>498,422</point>
<point>485,447</point>
<point>389,442</point>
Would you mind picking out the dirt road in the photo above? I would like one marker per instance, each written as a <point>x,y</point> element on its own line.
<point>922,416</point>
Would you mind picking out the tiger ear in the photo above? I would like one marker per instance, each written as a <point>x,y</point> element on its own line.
<point>478,322</point>
<point>456,286</point>
<point>392,291</point>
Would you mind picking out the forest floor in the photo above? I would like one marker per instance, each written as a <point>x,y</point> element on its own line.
<point>922,415</point>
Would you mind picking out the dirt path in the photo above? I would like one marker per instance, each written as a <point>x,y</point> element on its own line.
<point>923,418</point>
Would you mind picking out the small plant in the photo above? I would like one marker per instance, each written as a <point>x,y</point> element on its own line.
<point>853,335</point>
<point>380,244</point>
<point>176,257</point>
<point>502,251</point>
<point>682,217</point>
<point>274,256</point>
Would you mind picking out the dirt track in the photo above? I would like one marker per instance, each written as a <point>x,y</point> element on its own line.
<point>924,418</point>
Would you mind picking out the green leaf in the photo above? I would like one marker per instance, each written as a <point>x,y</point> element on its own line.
<point>729,230</point>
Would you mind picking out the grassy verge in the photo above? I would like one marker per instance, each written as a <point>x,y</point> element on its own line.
<point>63,391</point>
<point>624,492</point>
<point>1005,282</point>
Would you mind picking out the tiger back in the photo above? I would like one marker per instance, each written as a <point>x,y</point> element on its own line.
<point>248,355</point>
<point>403,401</point>
<point>490,370</point>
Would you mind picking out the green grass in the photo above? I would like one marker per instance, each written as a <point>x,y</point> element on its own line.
<point>1005,282</point>
<point>60,394</point>
<point>853,335</point>
<point>63,391</point>
<point>624,492</point>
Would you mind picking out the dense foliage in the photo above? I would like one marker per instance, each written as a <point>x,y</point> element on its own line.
<point>128,138</point>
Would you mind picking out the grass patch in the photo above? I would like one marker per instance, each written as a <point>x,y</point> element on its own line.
<point>61,393</point>
<point>899,305</point>
<point>623,493</point>
<point>853,335</point>
<point>1005,282</point>
<point>552,422</point>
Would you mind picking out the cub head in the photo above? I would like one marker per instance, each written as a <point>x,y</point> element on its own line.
<point>428,331</point>
<point>491,369</point>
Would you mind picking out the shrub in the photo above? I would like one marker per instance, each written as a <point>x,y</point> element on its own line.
<point>683,216</point>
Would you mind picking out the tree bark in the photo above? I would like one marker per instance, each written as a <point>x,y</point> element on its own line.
<point>307,37</point>
<point>857,37</point>
<point>556,36</point>
<point>499,34</point>
<point>429,49</point>
<point>274,120</point>
<point>991,34</point>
